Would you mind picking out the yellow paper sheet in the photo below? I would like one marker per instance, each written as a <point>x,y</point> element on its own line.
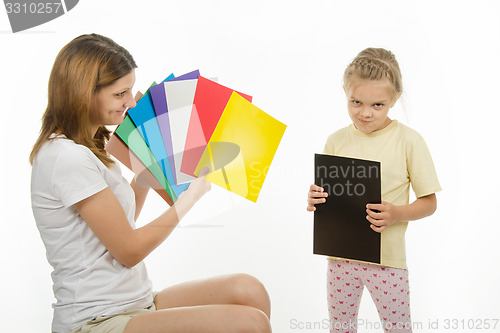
<point>257,135</point>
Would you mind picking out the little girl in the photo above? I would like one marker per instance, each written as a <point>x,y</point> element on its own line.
<point>373,84</point>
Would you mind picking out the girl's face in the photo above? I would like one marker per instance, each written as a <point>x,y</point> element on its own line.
<point>111,102</point>
<point>369,102</point>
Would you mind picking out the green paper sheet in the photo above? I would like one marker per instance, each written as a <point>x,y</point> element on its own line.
<point>134,140</point>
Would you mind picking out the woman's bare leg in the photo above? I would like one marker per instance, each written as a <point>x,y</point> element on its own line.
<point>230,303</point>
<point>205,318</point>
<point>240,289</point>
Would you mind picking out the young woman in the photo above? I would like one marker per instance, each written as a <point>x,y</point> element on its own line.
<point>86,211</point>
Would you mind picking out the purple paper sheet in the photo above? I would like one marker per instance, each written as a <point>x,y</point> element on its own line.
<point>161,111</point>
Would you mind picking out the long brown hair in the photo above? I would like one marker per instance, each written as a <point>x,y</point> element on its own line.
<point>82,67</point>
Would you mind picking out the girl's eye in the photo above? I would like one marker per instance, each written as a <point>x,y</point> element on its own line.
<point>356,102</point>
<point>378,105</point>
<point>120,94</point>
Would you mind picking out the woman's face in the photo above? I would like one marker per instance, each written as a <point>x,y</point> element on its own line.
<point>369,102</point>
<point>111,102</point>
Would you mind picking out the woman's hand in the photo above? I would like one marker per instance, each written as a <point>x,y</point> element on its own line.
<point>194,192</point>
<point>199,186</point>
<point>316,195</point>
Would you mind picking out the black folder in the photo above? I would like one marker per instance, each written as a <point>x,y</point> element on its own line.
<point>340,226</point>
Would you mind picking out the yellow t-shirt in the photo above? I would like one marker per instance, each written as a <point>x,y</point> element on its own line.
<point>404,159</point>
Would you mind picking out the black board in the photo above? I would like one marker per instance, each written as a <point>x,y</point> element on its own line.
<point>340,226</point>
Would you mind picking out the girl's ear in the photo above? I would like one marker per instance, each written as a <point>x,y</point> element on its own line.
<point>394,101</point>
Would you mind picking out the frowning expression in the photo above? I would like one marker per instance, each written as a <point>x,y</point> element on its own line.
<point>369,102</point>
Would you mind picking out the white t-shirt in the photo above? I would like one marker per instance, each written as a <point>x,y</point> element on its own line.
<point>88,281</point>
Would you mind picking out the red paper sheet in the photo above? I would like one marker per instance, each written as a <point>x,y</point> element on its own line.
<point>209,103</point>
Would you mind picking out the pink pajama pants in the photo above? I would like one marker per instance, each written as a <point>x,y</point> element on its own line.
<point>388,288</point>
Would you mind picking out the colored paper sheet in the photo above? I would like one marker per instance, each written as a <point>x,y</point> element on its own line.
<point>161,109</point>
<point>179,96</point>
<point>132,137</point>
<point>120,151</point>
<point>210,100</point>
<point>257,135</point>
<point>340,226</point>
<point>144,118</point>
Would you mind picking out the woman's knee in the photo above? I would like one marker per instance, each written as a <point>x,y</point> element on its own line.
<point>247,290</point>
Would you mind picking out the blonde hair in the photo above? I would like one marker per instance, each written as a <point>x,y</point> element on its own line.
<point>82,67</point>
<point>375,64</point>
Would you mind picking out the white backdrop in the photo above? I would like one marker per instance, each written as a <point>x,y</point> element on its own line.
<point>290,55</point>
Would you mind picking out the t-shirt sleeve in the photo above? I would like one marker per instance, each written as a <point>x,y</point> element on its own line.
<point>423,176</point>
<point>328,150</point>
<point>76,176</point>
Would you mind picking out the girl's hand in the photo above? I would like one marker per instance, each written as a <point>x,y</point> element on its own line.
<point>389,214</point>
<point>316,195</point>
<point>382,215</point>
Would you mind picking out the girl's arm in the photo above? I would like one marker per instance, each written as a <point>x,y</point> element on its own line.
<point>105,216</point>
<point>389,214</point>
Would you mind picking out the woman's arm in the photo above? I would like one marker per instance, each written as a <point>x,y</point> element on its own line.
<point>389,214</point>
<point>105,216</point>
<point>140,197</point>
<point>139,191</point>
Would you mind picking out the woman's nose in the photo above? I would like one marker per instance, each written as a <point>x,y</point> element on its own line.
<point>130,103</point>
